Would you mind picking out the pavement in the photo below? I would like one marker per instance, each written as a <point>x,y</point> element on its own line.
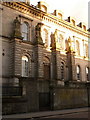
<point>45,113</point>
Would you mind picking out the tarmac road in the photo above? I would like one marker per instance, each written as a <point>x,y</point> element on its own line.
<point>73,116</point>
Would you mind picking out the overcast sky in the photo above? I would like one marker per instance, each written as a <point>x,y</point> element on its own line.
<point>75,8</point>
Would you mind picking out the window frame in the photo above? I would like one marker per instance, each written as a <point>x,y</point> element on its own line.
<point>45,37</point>
<point>86,50</point>
<point>23,31</point>
<point>78,74</point>
<point>77,47</point>
<point>87,74</point>
<point>62,71</point>
<point>25,64</point>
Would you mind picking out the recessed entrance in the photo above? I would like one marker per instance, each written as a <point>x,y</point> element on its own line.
<point>44,101</point>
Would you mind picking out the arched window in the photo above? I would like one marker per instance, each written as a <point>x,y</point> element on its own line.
<point>25,65</point>
<point>60,37</point>
<point>86,50</point>
<point>77,48</point>
<point>62,42</point>
<point>87,73</point>
<point>78,72</point>
<point>45,37</point>
<point>46,63</point>
<point>25,31</point>
<point>66,45</point>
<point>62,71</point>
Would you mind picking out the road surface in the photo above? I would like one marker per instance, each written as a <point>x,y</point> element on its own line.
<point>73,116</point>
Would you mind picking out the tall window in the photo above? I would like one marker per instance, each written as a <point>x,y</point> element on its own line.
<point>62,71</point>
<point>59,38</point>
<point>87,73</point>
<point>45,37</point>
<point>78,72</point>
<point>86,50</point>
<point>66,45</point>
<point>77,48</point>
<point>46,66</point>
<point>25,31</point>
<point>62,42</point>
<point>25,65</point>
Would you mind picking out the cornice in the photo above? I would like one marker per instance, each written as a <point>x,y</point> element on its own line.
<point>39,14</point>
<point>25,17</point>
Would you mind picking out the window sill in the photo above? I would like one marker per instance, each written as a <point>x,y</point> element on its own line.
<point>27,42</point>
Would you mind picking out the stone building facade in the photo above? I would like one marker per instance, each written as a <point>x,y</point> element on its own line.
<point>41,53</point>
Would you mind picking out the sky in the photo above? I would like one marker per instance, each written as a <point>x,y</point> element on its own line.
<point>77,9</point>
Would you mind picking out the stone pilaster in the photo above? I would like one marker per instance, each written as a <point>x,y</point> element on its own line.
<point>38,61</point>
<point>70,61</point>
<point>55,47</point>
<point>17,47</point>
<point>17,57</point>
<point>55,58</point>
<point>54,64</point>
<point>58,63</point>
<point>38,49</point>
<point>71,65</point>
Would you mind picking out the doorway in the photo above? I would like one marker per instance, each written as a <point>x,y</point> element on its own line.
<point>44,101</point>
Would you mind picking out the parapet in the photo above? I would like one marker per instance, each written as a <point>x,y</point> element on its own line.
<point>71,20</point>
<point>58,13</point>
<point>43,6</point>
<point>88,30</point>
<point>27,2</point>
<point>82,25</point>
